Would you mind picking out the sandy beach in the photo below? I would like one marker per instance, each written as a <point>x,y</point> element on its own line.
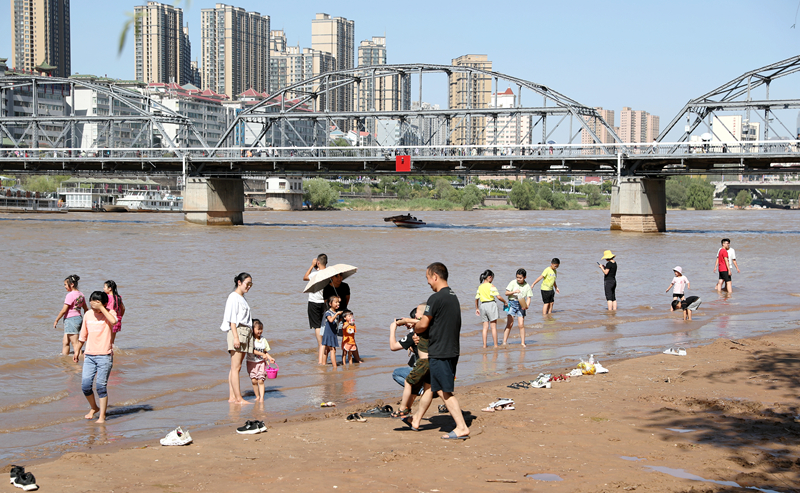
<point>723,415</point>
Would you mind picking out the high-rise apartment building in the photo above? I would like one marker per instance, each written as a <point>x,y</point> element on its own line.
<point>235,50</point>
<point>507,130</point>
<point>162,49</point>
<point>636,126</point>
<point>600,130</point>
<point>290,64</point>
<point>336,36</point>
<point>387,93</point>
<point>40,35</point>
<point>734,128</point>
<point>470,90</point>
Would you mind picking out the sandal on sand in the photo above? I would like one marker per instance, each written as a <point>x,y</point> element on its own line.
<point>380,411</point>
<point>402,413</point>
<point>520,385</point>
<point>443,409</point>
<point>676,351</point>
<point>500,405</point>
<point>407,422</point>
<point>452,436</point>
<point>355,417</point>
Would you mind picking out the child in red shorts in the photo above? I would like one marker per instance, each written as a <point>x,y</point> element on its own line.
<point>256,366</point>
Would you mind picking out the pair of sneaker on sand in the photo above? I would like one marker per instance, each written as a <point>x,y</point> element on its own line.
<point>22,479</point>
<point>251,428</point>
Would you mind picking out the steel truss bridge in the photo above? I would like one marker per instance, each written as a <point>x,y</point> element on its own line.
<point>289,132</point>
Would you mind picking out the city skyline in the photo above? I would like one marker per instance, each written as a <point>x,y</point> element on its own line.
<point>658,73</point>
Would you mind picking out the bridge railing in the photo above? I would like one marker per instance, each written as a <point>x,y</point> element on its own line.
<point>448,153</point>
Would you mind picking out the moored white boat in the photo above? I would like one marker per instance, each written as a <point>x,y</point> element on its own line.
<point>148,201</point>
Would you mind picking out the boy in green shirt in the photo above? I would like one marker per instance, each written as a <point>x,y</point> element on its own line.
<point>549,286</point>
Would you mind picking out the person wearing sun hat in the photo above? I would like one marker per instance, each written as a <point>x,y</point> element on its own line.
<point>610,278</point>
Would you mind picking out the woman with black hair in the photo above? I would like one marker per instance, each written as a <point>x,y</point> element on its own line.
<point>238,323</point>
<point>114,303</point>
<point>74,303</point>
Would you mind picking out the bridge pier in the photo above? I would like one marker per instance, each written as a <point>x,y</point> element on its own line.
<point>214,201</point>
<point>639,205</point>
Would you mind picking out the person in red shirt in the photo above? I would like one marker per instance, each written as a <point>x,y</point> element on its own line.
<point>722,264</point>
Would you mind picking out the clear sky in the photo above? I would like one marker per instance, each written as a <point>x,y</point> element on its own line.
<point>649,55</point>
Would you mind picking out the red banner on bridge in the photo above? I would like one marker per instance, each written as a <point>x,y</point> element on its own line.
<point>403,163</point>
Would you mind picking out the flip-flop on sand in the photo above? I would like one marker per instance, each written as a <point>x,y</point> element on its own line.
<point>407,422</point>
<point>452,436</point>
<point>679,351</point>
<point>500,405</point>
<point>355,417</point>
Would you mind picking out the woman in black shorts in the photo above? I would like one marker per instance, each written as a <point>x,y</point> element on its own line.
<point>610,278</point>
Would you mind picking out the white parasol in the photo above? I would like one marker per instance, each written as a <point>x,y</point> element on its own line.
<point>323,277</point>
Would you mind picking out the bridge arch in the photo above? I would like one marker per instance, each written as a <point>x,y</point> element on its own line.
<point>317,102</point>
<point>133,114</point>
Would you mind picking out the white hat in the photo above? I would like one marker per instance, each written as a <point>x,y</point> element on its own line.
<point>678,269</point>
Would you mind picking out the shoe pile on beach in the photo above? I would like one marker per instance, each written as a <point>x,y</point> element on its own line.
<point>177,437</point>
<point>251,428</point>
<point>22,479</point>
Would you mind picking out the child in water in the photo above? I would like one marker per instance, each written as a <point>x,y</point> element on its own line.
<point>349,348</point>
<point>330,321</point>
<point>98,358</point>
<point>486,306</point>
<point>679,284</point>
<point>256,366</point>
<point>114,303</point>
<point>549,286</point>
<point>690,304</point>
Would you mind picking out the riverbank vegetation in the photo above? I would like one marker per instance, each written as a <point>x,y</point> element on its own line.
<point>686,192</point>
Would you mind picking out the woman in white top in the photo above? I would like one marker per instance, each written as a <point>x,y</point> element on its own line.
<point>238,323</point>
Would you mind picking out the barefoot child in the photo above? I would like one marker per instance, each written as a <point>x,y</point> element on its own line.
<point>98,358</point>
<point>74,303</point>
<point>519,293</point>
<point>486,306</point>
<point>549,286</point>
<point>679,284</point>
<point>349,348</point>
<point>256,366</point>
<point>690,304</point>
<point>330,321</point>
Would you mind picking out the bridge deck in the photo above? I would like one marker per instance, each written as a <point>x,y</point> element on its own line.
<point>664,159</point>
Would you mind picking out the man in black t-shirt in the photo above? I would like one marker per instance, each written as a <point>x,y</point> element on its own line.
<point>442,319</point>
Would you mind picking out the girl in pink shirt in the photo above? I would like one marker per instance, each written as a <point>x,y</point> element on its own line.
<point>98,357</point>
<point>74,303</point>
<point>114,303</point>
<point>679,284</point>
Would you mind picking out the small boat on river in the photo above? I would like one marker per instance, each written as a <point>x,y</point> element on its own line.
<point>146,201</point>
<point>405,221</point>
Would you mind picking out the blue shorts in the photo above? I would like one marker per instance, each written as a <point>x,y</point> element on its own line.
<point>72,325</point>
<point>514,309</point>
<point>443,374</point>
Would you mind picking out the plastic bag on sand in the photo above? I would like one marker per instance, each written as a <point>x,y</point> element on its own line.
<point>587,368</point>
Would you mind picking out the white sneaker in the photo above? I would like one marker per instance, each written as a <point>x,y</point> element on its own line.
<point>177,437</point>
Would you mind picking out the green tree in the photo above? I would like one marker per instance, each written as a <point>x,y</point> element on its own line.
<point>676,193</point>
<point>471,196</point>
<point>593,196</point>
<point>700,195</point>
<point>742,199</point>
<point>545,193</point>
<point>319,193</point>
<point>43,183</point>
<point>520,196</point>
<point>559,201</point>
<point>606,186</point>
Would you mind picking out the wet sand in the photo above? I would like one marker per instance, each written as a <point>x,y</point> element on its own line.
<point>725,413</point>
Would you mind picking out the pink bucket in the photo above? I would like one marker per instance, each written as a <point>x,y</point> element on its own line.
<point>272,372</point>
